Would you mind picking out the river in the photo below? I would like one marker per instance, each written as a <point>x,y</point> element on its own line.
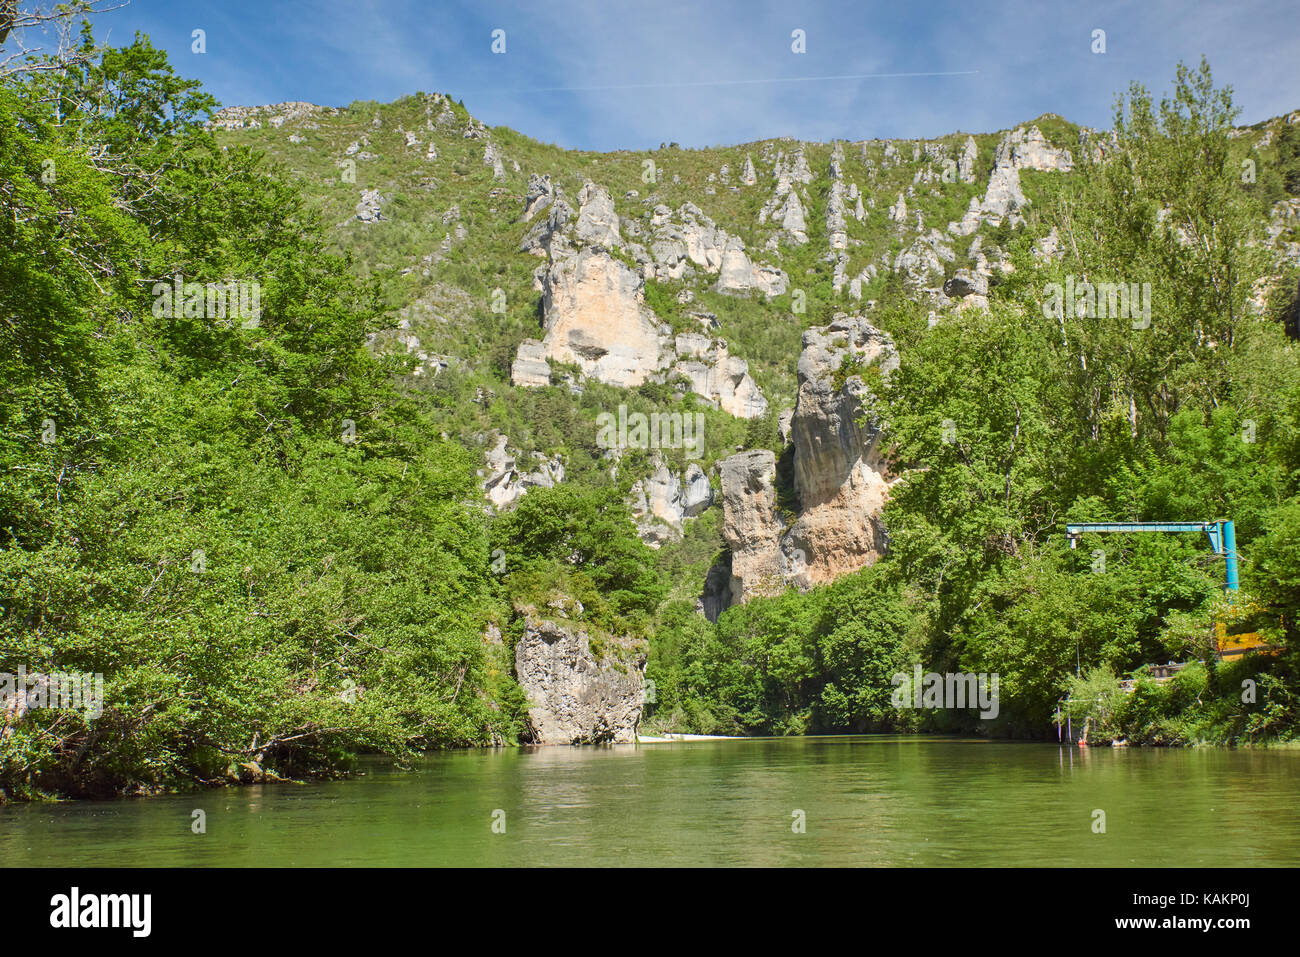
<point>866,800</point>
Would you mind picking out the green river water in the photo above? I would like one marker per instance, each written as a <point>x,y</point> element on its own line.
<point>866,801</point>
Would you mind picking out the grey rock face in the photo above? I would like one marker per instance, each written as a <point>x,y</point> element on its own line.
<point>925,257</point>
<point>799,170</point>
<point>657,506</point>
<point>1020,150</point>
<point>593,304</point>
<point>505,483</point>
<point>966,165</point>
<point>721,378</point>
<point>492,157</point>
<point>695,241</point>
<point>593,309</point>
<point>539,239</point>
<point>752,525</point>
<point>836,229</point>
<point>840,274</point>
<point>739,274</point>
<point>697,494</point>
<point>597,221</point>
<point>368,207</point>
<point>840,479</point>
<point>785,207</point>
<point>663,501</point>
<point>252,117</point>
<point>792,219</point>
<point>530,367</point>
<point>574,697</point>
<point>783,424</point>
<point>898,211</point>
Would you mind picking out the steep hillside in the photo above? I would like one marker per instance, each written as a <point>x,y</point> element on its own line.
<point>719,260</point>
<point>499,442</point>
<point>761,293</point>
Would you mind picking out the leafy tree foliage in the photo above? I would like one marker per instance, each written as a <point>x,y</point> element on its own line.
<point>267,550</point>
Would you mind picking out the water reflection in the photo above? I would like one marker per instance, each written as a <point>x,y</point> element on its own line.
<point>862,800</point>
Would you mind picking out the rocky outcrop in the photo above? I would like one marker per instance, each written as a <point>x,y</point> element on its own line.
<point>540,194</point>
<point>898,211</point>
<point>504,483</point>
<point>430,364</point>
<point>752,526</point>
<point>595,316</point>
<point>1030,150</point>
<point>840,479</point>
<point>369,206</point>
<point>798,170</point>
<point>690,240</point>
<point>715,375</point>
<point>492,157</point>
<point>790,214</point>
<point>786,208</point>
<point>593,305</point>
<point>1018,149</point>
<point>836,229</point>
<point>919,262</point>
<point>540,237</point>
<point>841,482</point>
<point>966,283</point>
<point>1049,246</point>
<point>739,274</point>
<point>966,165</point>
<point>697,493</point>
<point>576,696</point>
<point>663,501</point>
<point>277,114</point>
<point>530,367</point>
<point>597,221</point>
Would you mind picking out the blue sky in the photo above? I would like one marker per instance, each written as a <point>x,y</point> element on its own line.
<point>615,74</point>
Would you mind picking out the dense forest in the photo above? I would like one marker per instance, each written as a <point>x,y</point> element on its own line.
<point>275,550</point>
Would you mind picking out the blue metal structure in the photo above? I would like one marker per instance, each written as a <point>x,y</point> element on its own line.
<point>1222,535</point>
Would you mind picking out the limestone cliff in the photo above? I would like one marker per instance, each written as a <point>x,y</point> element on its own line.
<point>504,482</point>
<point>575,696</point>
<point>840,479</point>
<point>593,303</point>
<point>595,317</point>
<point>753,525</point>
<point>663,501</point>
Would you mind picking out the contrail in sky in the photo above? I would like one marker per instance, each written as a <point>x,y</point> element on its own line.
<point>695,83</point>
